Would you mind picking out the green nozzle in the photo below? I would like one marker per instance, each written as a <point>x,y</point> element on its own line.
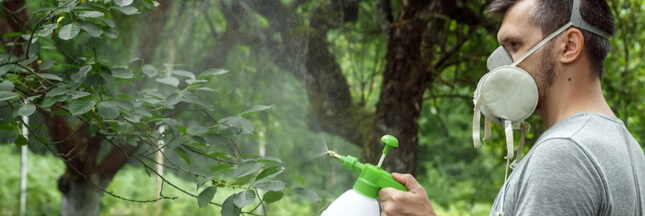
<point>390,141</point>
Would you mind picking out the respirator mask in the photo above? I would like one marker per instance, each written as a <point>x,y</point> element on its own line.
<point>508,95</point>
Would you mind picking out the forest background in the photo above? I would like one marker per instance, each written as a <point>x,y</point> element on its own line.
<point>245,97</point>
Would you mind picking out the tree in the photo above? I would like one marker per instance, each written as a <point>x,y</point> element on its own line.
<point>96,125</point>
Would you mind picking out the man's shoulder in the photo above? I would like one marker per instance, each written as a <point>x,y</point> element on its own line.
<point>585,128</point>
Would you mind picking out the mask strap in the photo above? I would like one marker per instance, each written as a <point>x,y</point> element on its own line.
<point>508,127</point>
<point>500,211</point>
<point>544,41</point>
<point>524,127</point>
<point>476,124</point>
<point>577,21</point>
<point>486,128</point>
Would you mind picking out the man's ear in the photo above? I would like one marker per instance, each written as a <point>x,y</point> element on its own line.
<point>571,44</point>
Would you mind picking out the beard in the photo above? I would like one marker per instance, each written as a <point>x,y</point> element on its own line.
<point>544,75</point>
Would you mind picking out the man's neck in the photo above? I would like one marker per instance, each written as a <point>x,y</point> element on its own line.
<point>567,97</point>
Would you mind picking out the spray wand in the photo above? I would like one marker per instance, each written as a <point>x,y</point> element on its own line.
<point>371,178</point>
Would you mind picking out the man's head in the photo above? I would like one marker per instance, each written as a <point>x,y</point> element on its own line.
<point>550,15</point>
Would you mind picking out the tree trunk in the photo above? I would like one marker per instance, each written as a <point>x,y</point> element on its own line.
<point>404,82</point>
<point>83,198</point>
<point>155,21</point>
<point>80,150</point>
<point>14,20</point>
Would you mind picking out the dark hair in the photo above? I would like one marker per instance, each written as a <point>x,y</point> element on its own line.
<point>553,14</point>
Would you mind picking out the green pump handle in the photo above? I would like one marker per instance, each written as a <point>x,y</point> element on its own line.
<point>389,140</point>
<point>372,178</point>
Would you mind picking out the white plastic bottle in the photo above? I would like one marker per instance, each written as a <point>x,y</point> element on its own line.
<point>353,203</point>
<point>361,200</point>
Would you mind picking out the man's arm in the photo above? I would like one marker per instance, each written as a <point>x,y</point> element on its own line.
<point>412,202</point>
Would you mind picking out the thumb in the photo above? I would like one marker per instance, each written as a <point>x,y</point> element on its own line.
<point>408,180</point>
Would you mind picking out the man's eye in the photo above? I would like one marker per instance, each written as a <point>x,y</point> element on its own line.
<point>513,45</point>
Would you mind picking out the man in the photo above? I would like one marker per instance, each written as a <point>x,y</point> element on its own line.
<point>586,163</point>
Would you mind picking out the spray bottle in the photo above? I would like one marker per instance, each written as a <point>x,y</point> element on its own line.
<point>361,200</point>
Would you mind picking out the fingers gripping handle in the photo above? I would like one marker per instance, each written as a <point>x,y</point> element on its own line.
<point>388,181</point>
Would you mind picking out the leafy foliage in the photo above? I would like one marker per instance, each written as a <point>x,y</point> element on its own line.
<point>90,87</point>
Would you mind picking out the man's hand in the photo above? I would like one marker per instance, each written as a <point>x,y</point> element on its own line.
<point>413,202</point>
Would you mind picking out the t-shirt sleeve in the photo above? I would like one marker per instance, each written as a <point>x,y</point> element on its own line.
<point>560,178</point>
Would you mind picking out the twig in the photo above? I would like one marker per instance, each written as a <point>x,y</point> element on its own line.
<point>211,157</point>
<point>69,165</point>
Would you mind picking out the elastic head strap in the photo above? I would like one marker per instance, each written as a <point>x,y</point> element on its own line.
<point>577,21</point>
<point>508,127</point>
<point>544,41</point>
<point>487,129</point>
<point>524,128</point>
<point>476,123</point>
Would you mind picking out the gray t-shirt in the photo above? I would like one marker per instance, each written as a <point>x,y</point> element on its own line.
<point>586,164</point>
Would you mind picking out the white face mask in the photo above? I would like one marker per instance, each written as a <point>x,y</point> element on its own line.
<point>507,95</point>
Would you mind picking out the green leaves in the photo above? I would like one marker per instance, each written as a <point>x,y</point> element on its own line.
<point>253,109</point>
<point>211,72</point>
<point>46,30</point>
<point>196,130</point>
<point>6,86</point>
<point>7,95</point>
<point>229,208</point>
<point>51,77</point>
<point>6,68</point>
<point>238,125</point>
<point>271,185</point>
<point>184,73</point>
<point>87,78</point>
<point>183,155</point>
<point>173,99</point>
<point>220,167</point>
<point>244,198</point>
<point>27,110</point>
<point>47,64</point>
<point>123,3</point>
<point>21,141</point>
<point>272,196</point>
<point>127,10</point>
<point>69,31</point>
<point>206,196</point>
<point>122,73</point>
<point>108,110</point>
<point>149,70</point>
<point>246,168</point>
<point>269,172</point>
<point>91,29</point>
<point>174,141</point>
<point>169,81</point>
<point>81,106</point>
<point>80,76</point>
<point>90,14</point>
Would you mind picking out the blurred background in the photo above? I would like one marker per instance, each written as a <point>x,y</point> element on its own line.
<point>336,74</point>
